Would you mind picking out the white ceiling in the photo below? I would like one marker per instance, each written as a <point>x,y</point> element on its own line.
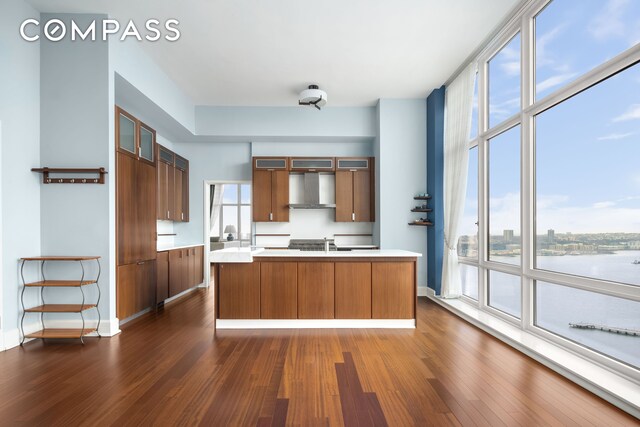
<point>262,53</point>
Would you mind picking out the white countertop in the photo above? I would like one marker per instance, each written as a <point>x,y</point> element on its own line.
<point>169,247</point>
<point>233,255</point>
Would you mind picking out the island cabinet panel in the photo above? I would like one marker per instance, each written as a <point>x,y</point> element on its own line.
<point>239,291</point>
<point>278,290</point>
<point>315,290</point>
<point>353,290</point>
<point>393,290</point>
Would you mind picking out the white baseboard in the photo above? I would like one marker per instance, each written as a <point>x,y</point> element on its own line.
<point>12,337</point>
<point>423,291</point>
<point>315,324</point>
<point>602,382</point>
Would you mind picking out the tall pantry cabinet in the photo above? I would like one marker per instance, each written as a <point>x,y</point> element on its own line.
<point>136,206</point>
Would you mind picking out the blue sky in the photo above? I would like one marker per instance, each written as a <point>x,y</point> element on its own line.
<point>588,147</point>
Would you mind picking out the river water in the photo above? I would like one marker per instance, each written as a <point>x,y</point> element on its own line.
<point>557,306</point>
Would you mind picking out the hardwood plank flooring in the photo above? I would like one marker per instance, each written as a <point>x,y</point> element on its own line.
<point>168,368</point>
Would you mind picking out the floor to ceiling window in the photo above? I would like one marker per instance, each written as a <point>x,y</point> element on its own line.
<point>551,231</point>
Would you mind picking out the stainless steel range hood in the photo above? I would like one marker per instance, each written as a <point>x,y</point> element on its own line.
<point>312,194</point>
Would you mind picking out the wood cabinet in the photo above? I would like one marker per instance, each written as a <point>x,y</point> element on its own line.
<point>393,290</point>
<point>270,195</point>
<point>173,186</point>
<point>162,276</point>
<point>312,164</point>
<point>353,290</point>
<point>134,138</point>
<point>185,269</point>
<point>136,201</point>
<point>315,290</point>
<point>240,290</point>
<point>165,168</point>
<point>135,289</point>
<point>278,290</point>
<point>355,190</point>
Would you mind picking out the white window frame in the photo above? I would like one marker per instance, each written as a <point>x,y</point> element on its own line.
<point>523,21</point>
<point>239,206</point>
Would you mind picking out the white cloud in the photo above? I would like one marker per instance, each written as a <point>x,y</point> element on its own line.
<point>602,205</point>
<point>553,212</point>
<point>609,23</point>
<point>632,113</point>
<point>554,81</point>
<point>511,68</point>
<point>505,109</point>
<point>615,136</point>
<point>542,55</point>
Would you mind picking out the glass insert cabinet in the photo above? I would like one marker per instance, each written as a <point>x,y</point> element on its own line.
<point>134,137</point>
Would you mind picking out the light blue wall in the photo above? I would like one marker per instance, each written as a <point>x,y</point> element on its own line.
<point>295,124</point>
<point>75,133</point>
<point>401,158</point>
<point>209,161</point>
<point>336,149</point>
<point>232,162</point>
<point>20,192</point>
<point>131,63</point>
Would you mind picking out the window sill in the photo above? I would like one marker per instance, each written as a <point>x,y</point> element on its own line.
<point>611,387</point>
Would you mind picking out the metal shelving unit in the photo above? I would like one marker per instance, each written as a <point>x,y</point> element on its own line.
<point>77,333</point>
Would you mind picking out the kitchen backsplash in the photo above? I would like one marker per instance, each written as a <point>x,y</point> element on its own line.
<point>313,224</point>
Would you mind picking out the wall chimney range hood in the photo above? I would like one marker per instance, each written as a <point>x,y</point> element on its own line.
<point>312,194</point>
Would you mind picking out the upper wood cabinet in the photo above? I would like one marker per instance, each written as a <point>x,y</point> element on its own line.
<point>355,190</point>
<point>134,138</point>
<point>173,186</point>
<point>270,195</point>
<point>271,163</point>
<point>166,207</point>
<point>309,164</point>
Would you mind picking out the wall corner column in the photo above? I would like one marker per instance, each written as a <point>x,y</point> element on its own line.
<point>435,186</point>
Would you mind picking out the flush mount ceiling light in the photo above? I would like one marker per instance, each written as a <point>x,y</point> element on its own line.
<point>313,96</point>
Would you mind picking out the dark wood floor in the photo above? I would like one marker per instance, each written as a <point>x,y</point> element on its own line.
<point>169,369</point>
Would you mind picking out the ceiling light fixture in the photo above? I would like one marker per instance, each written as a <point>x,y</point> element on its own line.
<point>313,96</point>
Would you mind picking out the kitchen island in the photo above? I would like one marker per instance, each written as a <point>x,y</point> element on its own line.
<point>258,288</point>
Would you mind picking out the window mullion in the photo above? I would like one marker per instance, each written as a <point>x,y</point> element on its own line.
<point>526,151</point>
<point>483,243</point>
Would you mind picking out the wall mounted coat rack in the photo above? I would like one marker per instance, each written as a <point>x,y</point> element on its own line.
<point>46,179</point>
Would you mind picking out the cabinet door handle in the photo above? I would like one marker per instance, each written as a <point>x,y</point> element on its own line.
<point>353,216</point>
<point>270,216</point>
<point>182,216</point>
<point>167,214</point>
<point>140,262</point>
